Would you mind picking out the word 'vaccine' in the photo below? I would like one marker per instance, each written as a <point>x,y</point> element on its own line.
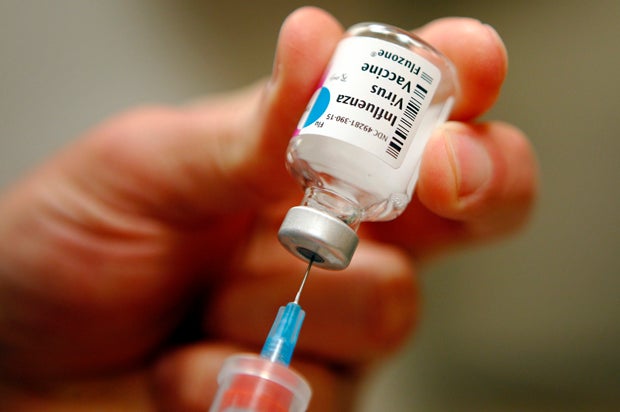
<point>358,146</point>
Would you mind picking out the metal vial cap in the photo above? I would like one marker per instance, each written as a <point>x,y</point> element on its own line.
<point>312,234</point>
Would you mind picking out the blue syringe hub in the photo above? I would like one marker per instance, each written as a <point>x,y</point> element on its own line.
<point>282,338</point>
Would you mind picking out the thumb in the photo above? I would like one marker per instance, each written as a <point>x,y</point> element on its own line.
<point>219,155</point>
<point>258,132</point>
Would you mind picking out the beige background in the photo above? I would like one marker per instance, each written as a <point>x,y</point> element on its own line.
<point>528,324</point>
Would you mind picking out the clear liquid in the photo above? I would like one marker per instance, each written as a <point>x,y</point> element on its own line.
<point>375,190</point>
<point>353,183</point>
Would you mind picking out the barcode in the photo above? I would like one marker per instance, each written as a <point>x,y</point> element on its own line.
<point>406,122</point>
<point>427,78</point>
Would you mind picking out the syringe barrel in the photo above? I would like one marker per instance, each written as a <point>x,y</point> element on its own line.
<point>250,383</point>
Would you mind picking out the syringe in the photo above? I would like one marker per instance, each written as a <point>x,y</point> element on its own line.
<point>251,383</point>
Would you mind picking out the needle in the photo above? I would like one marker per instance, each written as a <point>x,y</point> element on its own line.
<point>303,282</point>
<point>282,338</point>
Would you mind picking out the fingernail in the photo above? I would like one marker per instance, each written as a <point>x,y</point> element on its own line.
<point>275,68</point>
<point>275,71</point>
<point>493,33</point>
<point>471,162</point>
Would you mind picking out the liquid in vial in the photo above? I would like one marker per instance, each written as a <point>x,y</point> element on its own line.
<point>358,146</point>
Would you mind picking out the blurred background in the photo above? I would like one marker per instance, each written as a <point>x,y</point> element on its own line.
<point>531,323</point>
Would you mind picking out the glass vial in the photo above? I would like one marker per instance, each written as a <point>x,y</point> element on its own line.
<point>358,145</point>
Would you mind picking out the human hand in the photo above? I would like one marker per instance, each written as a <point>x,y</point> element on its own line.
<point>135,261</point>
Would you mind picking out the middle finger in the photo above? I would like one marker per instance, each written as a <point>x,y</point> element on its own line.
<point>352,315</point>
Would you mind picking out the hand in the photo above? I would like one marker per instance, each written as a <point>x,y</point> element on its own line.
<point>135,261</point>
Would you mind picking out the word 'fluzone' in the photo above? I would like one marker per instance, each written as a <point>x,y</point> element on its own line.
<point>413,68</point>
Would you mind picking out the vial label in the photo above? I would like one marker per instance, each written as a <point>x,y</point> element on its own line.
<point>373,95</point>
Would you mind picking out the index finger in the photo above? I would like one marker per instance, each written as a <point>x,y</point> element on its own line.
<point>479,56</point>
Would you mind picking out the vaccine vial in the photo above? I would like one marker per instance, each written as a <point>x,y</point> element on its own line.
<point>358,146</point>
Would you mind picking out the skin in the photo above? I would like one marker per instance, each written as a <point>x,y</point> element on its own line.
<point>136,260</point>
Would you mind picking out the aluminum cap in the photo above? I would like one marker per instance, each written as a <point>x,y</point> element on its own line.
<point>310,233</point>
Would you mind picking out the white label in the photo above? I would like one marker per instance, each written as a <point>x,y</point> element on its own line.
<point>374,95</point>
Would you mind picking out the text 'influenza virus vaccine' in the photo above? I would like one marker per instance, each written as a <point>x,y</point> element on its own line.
<point>359,144</point>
